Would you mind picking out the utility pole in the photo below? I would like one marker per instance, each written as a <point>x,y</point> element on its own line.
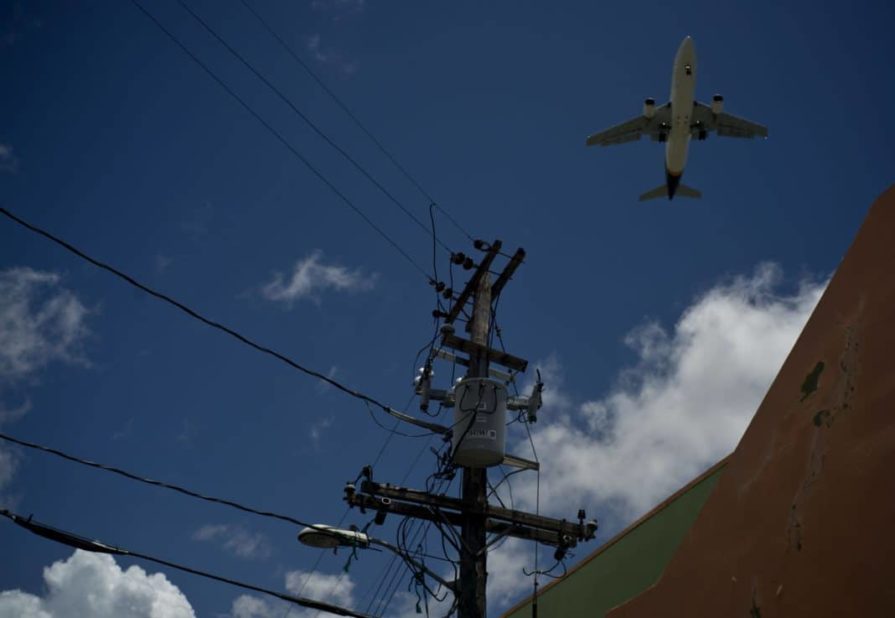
<point>473,555</point>
<point>480,431</point>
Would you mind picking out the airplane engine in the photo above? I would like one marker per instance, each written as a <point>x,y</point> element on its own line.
<point>717,104</point>
<point>649,108</point>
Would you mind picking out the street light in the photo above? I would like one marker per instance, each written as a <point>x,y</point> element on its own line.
<point>328,537</point>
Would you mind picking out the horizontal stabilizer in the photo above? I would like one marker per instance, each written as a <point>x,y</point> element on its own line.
<point>662,191</point>
<point>685,191</point>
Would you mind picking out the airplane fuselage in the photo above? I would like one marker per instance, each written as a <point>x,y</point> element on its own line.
<point>676,122</point>
<point>683,88</point>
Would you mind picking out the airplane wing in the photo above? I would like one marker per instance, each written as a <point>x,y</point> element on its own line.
<point>725,124</point>
<point>634,129</point>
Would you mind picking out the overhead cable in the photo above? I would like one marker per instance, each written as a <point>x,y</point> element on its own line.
<point>135,477</point>
<point>218,326</point>
<point>353,117</point>
<point>283,141</point>
<point>306,119</point>
<point>80,542</point>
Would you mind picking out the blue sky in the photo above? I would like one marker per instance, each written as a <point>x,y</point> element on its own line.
<point>114,139</point>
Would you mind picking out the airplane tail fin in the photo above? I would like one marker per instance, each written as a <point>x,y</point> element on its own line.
<point>662,191</point>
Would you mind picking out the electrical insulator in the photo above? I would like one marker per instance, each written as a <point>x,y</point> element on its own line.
<point>535,401</point>
<point>423,384</point>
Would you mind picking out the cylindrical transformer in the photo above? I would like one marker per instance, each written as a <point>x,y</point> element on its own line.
<point>480,413</point>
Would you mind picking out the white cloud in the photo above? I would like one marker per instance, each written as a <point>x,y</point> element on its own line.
<point>40,323</point>
<point>679,409</point>
<point>9,462</point>
<point>9,163</point>
<point>88,584</point>
<point>235,539</point>
<point>332,589</point>
<point>247,606</point>
<point>335,589</point>
<point>311,276</point>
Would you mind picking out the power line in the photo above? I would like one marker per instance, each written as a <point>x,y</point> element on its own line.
<point>353,117</point>
<point>283,141</point>
<point>307,120</point>
<point>80,542</point>
<point>216,325</point>
<point>135,477</point>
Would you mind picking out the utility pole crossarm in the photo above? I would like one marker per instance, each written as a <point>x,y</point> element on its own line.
<point>581,531</point>
<point>443,516</point>
<point>450,340</point>
<point>471,287</point>
<point>507,273</point>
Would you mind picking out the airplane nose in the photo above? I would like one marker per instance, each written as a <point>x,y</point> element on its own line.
<point>686,45</point>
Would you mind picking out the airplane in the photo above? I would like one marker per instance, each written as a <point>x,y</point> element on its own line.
<point>675,122</point>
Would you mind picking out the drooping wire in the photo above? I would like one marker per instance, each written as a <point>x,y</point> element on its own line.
<point>354,118</point>
<point>409,469</point>
<point>207,321</point>
<point>306,119</point>
<point>549,572</point>
<point>390,579</point>
<point>438,303</point>
<point>434,484</point>
<point>419,533</point>
<point>391,434</point>
<point>437,482</point>
<point>279,136</point>
<point>506,479</point>
<point>390,573</point>
<point>80,542</point>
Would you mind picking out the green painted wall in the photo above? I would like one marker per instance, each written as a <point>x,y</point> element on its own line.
<point>629,566</point>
